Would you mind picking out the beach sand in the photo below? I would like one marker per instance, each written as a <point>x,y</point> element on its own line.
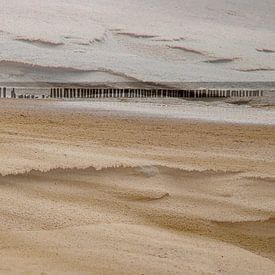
<point>89,192</point>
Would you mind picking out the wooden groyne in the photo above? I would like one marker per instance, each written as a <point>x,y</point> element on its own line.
<point>3,92</point>
<point>149,93</point>
<point>76,92</point>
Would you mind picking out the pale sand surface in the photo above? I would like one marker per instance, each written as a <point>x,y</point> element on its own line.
<point>133,195</point>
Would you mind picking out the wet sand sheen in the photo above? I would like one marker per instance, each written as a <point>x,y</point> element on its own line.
<point>157,196</point>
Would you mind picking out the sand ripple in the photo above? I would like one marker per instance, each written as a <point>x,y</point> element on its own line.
<point>169,198</point>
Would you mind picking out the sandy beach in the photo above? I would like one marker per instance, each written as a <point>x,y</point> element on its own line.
<point>85,191</point>
<point>102,171</point>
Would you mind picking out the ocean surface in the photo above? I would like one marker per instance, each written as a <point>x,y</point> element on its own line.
<point>137,40</point>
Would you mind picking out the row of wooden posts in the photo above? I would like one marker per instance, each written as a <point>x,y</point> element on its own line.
<point>131,93</point>
<point>3,92</point>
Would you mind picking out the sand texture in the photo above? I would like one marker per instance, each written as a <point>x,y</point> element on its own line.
<point>87,192</point>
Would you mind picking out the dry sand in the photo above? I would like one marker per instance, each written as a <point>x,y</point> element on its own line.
<point>133,195</point>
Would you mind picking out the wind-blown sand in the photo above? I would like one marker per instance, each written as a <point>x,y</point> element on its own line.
<point>140,40</point>
<point>128,194</point>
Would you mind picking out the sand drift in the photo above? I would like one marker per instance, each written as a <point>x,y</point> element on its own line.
<point>82,186</point>
<point>153,214</point>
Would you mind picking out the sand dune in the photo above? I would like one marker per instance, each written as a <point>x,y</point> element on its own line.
<point>148,219</point>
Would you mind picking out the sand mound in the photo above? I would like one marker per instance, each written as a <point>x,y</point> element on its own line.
<point>168,215</point>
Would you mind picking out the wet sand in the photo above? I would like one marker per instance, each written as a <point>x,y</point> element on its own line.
<point>85,191</point>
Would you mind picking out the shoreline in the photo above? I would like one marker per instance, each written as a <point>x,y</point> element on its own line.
<point>210,112</point>
<point>84,138</point>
